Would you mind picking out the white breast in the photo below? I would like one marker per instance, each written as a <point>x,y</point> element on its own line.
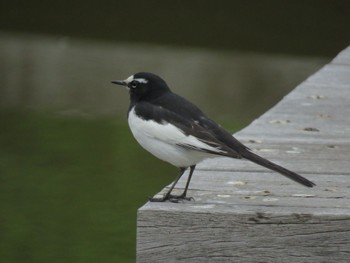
<point>162,140</point>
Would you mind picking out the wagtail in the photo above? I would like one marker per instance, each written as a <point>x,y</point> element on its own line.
<point>178,132</point>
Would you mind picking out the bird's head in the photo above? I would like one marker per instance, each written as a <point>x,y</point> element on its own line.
<point>144,86</point>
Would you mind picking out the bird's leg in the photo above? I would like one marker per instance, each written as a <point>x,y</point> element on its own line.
<point>177,198</point>
<point>183,195</point>
<point>168,196</point>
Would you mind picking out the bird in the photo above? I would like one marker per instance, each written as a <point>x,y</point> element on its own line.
<point>176,131</point>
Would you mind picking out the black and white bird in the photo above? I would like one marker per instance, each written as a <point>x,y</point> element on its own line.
<point>178,132</point>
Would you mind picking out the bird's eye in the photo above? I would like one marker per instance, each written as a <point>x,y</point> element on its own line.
<point>133,84</point>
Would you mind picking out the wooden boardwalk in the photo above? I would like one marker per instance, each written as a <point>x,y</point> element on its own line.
<point>245,213</point>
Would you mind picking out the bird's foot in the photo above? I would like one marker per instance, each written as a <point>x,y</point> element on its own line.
<point>179,198</point>
<point>171,198</point>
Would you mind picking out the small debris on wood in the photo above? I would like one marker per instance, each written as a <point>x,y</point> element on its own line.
<point>311,129</point>
<point>283,122</point>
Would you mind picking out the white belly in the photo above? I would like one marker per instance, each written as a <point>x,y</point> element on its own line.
<point>161,141</point>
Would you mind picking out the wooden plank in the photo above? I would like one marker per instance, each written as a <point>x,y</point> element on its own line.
<point>251,188</point>
<point>312,113</point>
<point>245,213</point>
<point>302,158</point>
<point>234,236</point>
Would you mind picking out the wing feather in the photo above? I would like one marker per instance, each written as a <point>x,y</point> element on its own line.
<point>170,127</point>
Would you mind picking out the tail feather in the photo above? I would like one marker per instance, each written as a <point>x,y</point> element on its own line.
<point>275,167</point>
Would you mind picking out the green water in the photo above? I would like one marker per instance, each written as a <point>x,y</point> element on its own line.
<point>70,188</point>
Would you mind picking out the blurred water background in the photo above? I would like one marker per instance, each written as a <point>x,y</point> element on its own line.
<point>71,175</point>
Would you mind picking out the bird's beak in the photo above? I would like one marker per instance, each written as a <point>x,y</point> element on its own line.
<point>120,82</point>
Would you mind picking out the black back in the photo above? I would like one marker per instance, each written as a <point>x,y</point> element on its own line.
<point>160,104</point>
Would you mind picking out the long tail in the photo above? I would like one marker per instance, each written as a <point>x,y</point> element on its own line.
<point>270,165</point>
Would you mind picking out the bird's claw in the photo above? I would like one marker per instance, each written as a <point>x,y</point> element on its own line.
<point>179,198</point>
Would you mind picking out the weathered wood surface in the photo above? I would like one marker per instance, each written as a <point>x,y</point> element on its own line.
<point>245,213</point>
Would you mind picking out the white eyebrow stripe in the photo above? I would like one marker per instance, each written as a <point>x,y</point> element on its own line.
<point>140,80</point>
